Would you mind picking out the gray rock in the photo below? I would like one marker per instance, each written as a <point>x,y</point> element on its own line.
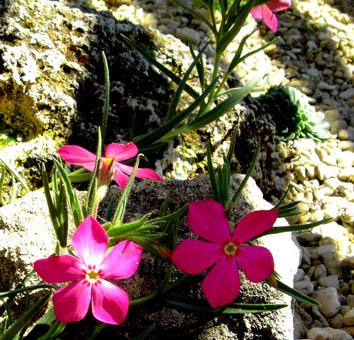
<point>350,300</point>
<point>327,333</point>
<point>329,281</point>
<point>305,287</point>
<point>332,263</point>
<point>337,321</point>
<point>347,94</point>
<point>349,317</point>
<point>348,262</point>
<point>328,298</point>
<point>325,249</point>
<point>51,83</point>
<point>299,275</point>
<point>320,271</point>
<point>26,235</point>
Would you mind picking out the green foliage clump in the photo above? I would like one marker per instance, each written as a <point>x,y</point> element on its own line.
<point>6,140</point>
<point>294,117</point>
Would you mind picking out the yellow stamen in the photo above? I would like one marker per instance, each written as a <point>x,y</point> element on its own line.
<point>92,275</point>
<point>230,249</point>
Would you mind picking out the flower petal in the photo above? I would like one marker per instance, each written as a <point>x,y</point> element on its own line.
<point>257,12</point>
<point>263,12</point>
<point>208,220</point>
<point>122,262</point>
<point>76,155</point>
<point>253,224</point>
<point>222,284</point>
<point>109,302</point>
<point>270,19</point>
<point>90,242</point>
<point>72,302</point>
<point>195,256</point>
<point>57,269</point>
<point>256,262</point>
<point>141,172</point>
<point>279,5</point>
<point>120,178</point>
<point>121,152</point>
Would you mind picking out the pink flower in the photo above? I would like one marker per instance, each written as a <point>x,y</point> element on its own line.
<point>89,272</point>
<point>114,154</point>
<point>225,251</point>
<point>266,12</point>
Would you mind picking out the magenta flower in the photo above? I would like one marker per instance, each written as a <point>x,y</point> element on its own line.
<point>265,12</point>
<point>89,273</point>
<point>225,251</point>
<point>115,154</point>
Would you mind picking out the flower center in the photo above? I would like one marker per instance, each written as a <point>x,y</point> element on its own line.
<point>230,248</point>
<point>92,275</point>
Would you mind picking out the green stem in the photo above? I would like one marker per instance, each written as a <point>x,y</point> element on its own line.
<point>213,93</point>
<point>24,289</point>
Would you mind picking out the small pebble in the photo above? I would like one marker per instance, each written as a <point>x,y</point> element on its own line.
<point>306,287</point>
<point>327,333</point>
<point>320,271</point>
<point>329,281</point>
<point>328,298</point>
<point>349,317</point>
<point>337,321</point>
<point>350,300</point>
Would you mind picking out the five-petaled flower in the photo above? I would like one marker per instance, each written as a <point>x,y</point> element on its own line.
<point>225,251</point>
<point>265,12</point>
<point>89,273</point>
<point>114,154</point>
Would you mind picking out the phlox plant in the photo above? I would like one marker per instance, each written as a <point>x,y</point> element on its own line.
<point>106,247</point>
<point>213,99</point>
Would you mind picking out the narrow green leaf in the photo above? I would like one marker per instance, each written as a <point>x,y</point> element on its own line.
<point>294,293</point>
<point>55,329</point>
<point>227,37</point>
<point>224,180</point>
<point>80,175</point>
<point>120,210</point>
<point>295,228</point>
<point>281,200</point>
<point>158,65</point>
<point>52,209</point>
<point>237,308</point>
<point>212,176</point>
<point>105,111</point>
<point>173,106</point>
<point>245,179</point>
<point>200,68</point>
<point>26,289</point>
<point>164,133</point>
<point>196,14</point>
<point>92,189</point>
<point>198,306</point>
<point>13,193</point>
<point>126,227</point>
<point>224,106</point>
<point>25,319</point>
<point>231,150</point>
<point>12,171</point>
<point>2,179</point>
<point>254,51</point>
<point>235,59</point>
<point>75,206</point>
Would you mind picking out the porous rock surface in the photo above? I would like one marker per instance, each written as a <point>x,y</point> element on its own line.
<point>51,80</point>
<point>26,235</point>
